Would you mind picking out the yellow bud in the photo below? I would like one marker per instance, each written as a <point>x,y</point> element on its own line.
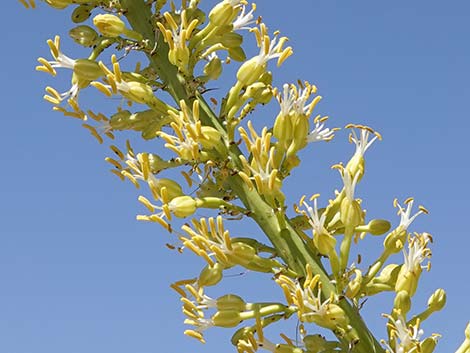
<point>86,69</point>
<point>375,227</point>
<point>210,275</point>
<point>437,300</point>
<point>138,92</point>
<point>250,71</point>
<point>222,14</point>
<point>231,302</point>
<point>402,302</point>
<point>182,206</point>
<point>226,318</point>
<point>109,25</point>
<point>84,35</point>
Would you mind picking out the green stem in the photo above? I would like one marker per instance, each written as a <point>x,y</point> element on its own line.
<point>289,244</point>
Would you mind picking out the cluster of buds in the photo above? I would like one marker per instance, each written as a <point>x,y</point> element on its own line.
<point>219,164</point>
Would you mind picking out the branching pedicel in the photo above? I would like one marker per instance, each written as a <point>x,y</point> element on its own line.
<point>238,172</point>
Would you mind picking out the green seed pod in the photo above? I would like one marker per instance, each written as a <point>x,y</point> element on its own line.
<point>84,35</point>
<point>81,13</point>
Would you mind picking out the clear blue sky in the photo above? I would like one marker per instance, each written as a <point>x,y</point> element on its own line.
<point>79,274</point>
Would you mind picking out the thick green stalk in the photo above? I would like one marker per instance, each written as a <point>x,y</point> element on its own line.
<point>289,245</point>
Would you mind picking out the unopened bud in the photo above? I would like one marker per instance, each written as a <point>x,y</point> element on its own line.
<point>222,14</point>
<point>375,227</point>
<point>437,300</point>
<point>81,13</point>
<point>83,35</point>
<point>182,206</point>
<point>350,213</point>
<point>109,25</point>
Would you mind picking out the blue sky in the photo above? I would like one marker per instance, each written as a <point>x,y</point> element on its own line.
<point>79,274</point>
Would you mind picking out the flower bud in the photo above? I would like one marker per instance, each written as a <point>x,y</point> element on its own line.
<point>83,35</point>
<point>375,227</point>
<point>210,275</point>
<point>226,318</point>
<point>283,130</point>
<point>81,13</point>
<point>437,300</point>
<point>182,206</point>
<point>86,69</point>
<point>138,92</point>
<point>109,25</point>
<point>230,302</point>
<point>402,302</point>
<point>222,14</point>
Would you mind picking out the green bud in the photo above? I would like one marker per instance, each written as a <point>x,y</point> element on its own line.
<point>210,275</point>
<point>81,13</point>
<point>84,35</point>
<point>226,318</point>
<point>86,69</point>
<point>109,25</point>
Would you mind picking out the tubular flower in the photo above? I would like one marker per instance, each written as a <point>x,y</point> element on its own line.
<point>418,251</point>
<point>84,71</point>
<point>362,142</point>
<point>209,239</point>
<point>322,239</point>
<point>176,36</point>
<point>261,168</point>
<point>350,210</point>
<point>252,69</point>
<point>311,307</point>
<point>403,338</point>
